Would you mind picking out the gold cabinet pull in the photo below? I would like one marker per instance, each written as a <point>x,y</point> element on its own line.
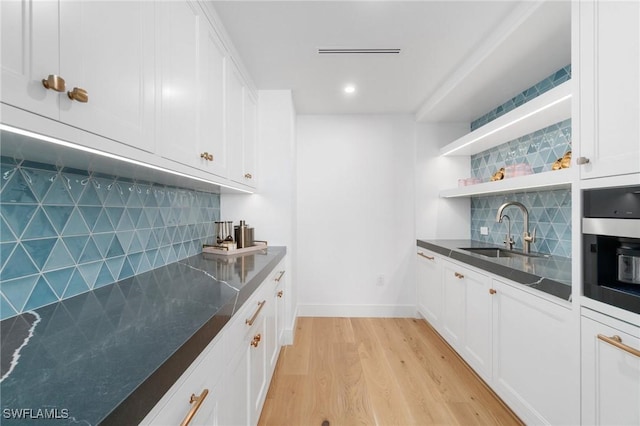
<point>54,82</point>
<point>248,176</point>
<point>617,342</point>
<point>78,94</point>
<point>425,256</point>
<point>198,402</point>
<point>207,156</point>
<point>280,276</point>
<point>458,275</point>
<point>256,340</point>
<point>280,293</point>
<point>250,322</point>
<point>492,291</point>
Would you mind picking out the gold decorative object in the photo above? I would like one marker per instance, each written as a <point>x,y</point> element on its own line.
<point>562,163</point>
<point>499,175</point>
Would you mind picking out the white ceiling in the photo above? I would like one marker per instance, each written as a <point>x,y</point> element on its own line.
<point>459,59</point>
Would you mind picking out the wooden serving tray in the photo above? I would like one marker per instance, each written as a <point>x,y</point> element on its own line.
<point>257,246</point>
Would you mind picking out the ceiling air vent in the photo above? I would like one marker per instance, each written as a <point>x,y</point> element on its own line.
<point>351,51</point>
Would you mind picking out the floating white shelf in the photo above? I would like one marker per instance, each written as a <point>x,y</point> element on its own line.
<point>548,180</point>
<point>549,108</point>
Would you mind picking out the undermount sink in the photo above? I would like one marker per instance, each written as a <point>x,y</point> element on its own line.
<point>500,252</point>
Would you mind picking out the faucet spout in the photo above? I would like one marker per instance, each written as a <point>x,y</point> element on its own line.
<point>528,237</point>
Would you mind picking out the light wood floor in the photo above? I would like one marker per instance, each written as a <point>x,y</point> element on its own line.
<point>372,371</point>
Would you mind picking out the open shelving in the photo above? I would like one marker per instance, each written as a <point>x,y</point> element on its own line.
<point>549,108</point>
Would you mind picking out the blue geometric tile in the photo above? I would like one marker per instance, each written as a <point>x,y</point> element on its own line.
<point>75,245</point>
<point>58,192</point>
<point>76,183</point>
<point>104,277</point>
<point>17,291</point>
<point>39,227</point>
<point>76,225</point>
<point>145,264</point>
<point>115,266</point>
<point>90,196</point>
<point>17,265</point>
<point>40,296</point>
<point>103,224</point>
<point>59,279</point>
<point>59,257</point>
<point>7,171</point>
<point>115,249</point>
<point>16,190</point>
<point>90,272</point>
<point>103,242</point>
<point>91,252</point>
<point>39,250</point>
<point>115,214</point>
<point>6,310</point>
<point>126,224</point>
<point>127,270</point>
<point>5,232</point>
<point>5,252</point>
<point>76,285</point>
<point>58,215</point>
<point>17,216</point>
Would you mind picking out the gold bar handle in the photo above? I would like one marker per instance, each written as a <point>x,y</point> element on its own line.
<point>250,322</point>
<point>458,275</point>
<point>54,82</point>
<point>280,276</point>
<point>617,342</point>
<point>280,293</point>
<point>425,256</point>
<point>198,402</point>
<point>78,94</point>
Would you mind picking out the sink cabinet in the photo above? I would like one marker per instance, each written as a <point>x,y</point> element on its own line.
<point>524,346</point>
<point>610,374</point>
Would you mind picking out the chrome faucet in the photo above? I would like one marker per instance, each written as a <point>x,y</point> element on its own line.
<point>527,237</point>
<point>508,239</point>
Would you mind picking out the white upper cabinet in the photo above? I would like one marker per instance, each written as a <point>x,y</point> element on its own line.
<point>609,52</point>
<point>241,128</point>
<point>106,49</point>
<point>191,80</point>
<point>29,55</point>
<point>102,50</point>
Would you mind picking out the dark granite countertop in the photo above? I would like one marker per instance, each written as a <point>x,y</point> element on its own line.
<point>551,275</point>
<point>109,355</point>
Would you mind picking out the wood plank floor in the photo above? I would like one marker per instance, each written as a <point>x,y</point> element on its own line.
<point>376,371</point>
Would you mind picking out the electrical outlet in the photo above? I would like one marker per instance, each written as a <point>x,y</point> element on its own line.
<point>380,281</point>
<point>484,230</point>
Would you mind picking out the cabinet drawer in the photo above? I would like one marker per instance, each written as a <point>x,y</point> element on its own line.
<point>201,375</point>
<point>241,327</point>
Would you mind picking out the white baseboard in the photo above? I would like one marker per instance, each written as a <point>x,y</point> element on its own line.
<point>358,311</point>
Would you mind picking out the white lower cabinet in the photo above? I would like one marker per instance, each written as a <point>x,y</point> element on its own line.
<point>535,356</point>
<point>610,371</point>
<point>235,369</point>
<point>430,287</point>
<point>523,345</point>
<point>466,319</point>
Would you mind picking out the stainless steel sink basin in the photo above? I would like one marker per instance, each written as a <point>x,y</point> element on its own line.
<point>500,252</point>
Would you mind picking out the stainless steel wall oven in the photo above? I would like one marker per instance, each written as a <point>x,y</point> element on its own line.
<point>611,246</point>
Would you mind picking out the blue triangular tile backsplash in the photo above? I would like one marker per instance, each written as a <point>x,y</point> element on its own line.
<point>67,231</point>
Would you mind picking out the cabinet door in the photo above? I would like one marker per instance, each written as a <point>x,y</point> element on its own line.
<point>275,318</point>
<point>107,49</point>
<point>234,132</point>
<point>610,87</point>
<point>610,374</point>
<point>429,275</point>
<point>29,54</point>
<point>280,310</point>
<point>258,368</point>
<point>234,408</point>
<point>535,363</point>
<point>453,306</point>
<point>478,322</point>
<point>249,139</point>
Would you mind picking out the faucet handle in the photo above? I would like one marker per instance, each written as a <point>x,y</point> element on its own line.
<point>530,236</point>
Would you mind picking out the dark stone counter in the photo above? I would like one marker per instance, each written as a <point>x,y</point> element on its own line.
<point>551,275</point>
<point>109,355</point>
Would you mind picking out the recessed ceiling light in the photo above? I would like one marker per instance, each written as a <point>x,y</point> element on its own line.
<point>350,88</point>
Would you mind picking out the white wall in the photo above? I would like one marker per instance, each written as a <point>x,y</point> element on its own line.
<point>356,227</point>
<point>271,211</point>
<point>440,218</point>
